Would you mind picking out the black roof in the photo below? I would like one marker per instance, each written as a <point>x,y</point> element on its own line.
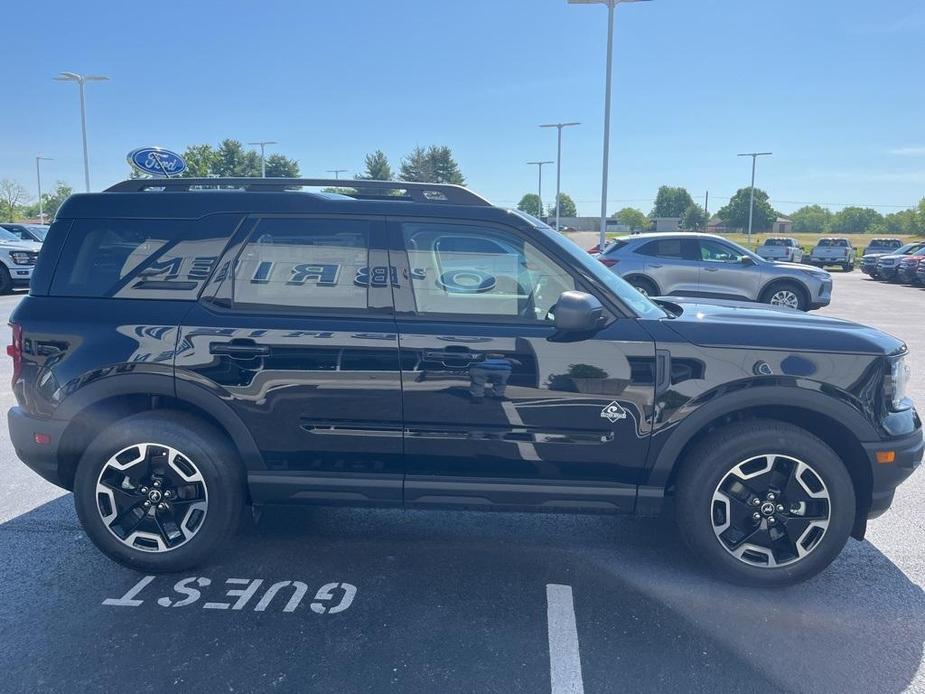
<point>190,198</point>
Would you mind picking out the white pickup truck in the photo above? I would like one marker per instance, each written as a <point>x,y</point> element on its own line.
<point>781,248</point>
<point>833,251</point>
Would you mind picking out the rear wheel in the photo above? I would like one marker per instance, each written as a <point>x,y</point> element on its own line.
<point>159,491</point>
<point>847,267</point>
<point>643,285</point>
<point>6,281</point>
<point>764,503</point>
<point>787,294</point>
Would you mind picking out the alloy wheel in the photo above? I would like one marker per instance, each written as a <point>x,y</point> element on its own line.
<point>151,497</point>
<point>770,510</point>
<point>785,297</point>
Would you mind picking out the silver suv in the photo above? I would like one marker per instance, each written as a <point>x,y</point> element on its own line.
<point>704,265</point>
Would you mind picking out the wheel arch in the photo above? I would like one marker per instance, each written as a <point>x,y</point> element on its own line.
<point>834,422</point>
<point>641,275</point>
<point>98,406</point>
<point>778,281</point>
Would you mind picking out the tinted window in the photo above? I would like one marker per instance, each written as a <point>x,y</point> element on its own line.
<point>304,264</point>
<point>7,235</point>
<point>778,242</point>
<point>461,269</point>
<point>715,252</point>
<point>663,248</point>
<point>140,259</point>
<point>832,243</point>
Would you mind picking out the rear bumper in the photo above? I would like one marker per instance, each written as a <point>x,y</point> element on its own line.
<point>41,458</point>
<point>886,477</point>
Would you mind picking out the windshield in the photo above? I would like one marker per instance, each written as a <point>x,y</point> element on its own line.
<point>642,305</point>
<point>38,231</point>
<point>832,243</point>
<point>6,235</point>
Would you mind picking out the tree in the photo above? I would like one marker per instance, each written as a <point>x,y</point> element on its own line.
<point>231,159</point>
<point>633,218</point>
<point>855,220</point>
<point>812,218</point>
<point>51,201</point>
<point>671,202</point>
<point>12,196</point>
<point>530,203</point>
<point>377,167</point>
<point>694,218</point>
<point>432,165</point>
<point>902,222</point>
<point>279,166</point>
<point>200,160</point>
<point>735,213</point>
<point>567,207</point>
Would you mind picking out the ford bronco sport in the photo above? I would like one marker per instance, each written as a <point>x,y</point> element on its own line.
<point>185,352</point>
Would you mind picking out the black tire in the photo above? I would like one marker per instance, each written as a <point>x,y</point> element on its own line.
<point>643,285</point>
<point>212,457</point>
<point>716,456</point>
<point>6,281</point>
<point>847,267</point>
<point>777,288</point>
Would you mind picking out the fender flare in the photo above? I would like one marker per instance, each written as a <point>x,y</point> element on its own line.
<point>668,443</point>
<point>164,384</point>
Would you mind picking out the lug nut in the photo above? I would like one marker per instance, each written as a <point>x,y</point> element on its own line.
<point>157,484</point>
<point>780,508</point>
<point>161,507</point>
<point>168,494</point>
<point>756,516</point>
<point>147,504</point>
<point>144,490</point>
<point>755,501</point>
<point>771,520</point>
<point>771,496</point>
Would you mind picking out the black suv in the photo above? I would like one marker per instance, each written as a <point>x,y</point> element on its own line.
<point>190,347</point>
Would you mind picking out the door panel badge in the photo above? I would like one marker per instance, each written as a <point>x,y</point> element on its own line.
<point>613,412</point>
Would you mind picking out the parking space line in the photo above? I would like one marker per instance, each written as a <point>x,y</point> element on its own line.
<point>564,657</point>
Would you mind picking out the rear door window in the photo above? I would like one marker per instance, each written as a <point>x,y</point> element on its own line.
<point>672,249</point>
<point>141,258</point>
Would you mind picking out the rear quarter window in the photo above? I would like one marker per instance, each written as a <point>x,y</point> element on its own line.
<point>140,259</point>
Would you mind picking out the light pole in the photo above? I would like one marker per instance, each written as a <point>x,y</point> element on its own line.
<point>263,162</point>
<point>336,172</point>
<point>751,197</point>
<point>539,185</point>
<point>611,6</point>
<point>38,180</point>
<point>81,81</point>
<point>558,126</point>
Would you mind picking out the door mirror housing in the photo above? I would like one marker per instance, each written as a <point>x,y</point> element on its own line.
<point>577,312</point>
<point>746,260</point>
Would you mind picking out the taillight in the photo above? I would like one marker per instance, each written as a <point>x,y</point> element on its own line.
<point>15,350</point>
<point>609,262</point>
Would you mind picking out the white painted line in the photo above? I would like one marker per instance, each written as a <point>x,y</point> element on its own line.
<point>564,658</point>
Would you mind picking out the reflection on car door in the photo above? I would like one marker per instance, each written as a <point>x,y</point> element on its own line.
<point>674,264</point>
<point>500,409</point>
<point>295,333</point>
<point>723,275</point>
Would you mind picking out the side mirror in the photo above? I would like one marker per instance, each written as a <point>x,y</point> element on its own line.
<point>577,312</point>
<point>746,260</point>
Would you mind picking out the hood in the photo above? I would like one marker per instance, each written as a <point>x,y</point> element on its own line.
<point>20,246</point>
<point>877,254</point>
<point>749,325</point>
<point>807,269</point>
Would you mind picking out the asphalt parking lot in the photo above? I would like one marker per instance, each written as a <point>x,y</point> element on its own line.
<point>456,601</point>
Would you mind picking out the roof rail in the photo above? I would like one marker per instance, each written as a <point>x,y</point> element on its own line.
<point>359,188</point>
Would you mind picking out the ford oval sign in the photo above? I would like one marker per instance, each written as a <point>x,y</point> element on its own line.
<point>156,161</point>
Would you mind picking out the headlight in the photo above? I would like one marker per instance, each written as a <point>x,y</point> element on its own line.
<point>896,381</point>
<point>21,257</point>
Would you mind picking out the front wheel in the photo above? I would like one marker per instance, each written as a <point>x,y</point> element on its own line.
<point>764,503</point>
<point>6,280</point>
<point>159,491</point>
<point>643,285</point>
<point>786,294</point>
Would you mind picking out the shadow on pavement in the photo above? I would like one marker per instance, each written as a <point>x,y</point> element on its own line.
<point>449,601</point>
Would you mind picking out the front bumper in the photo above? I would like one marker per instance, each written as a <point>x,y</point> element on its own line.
<point>41,458</point>
<point>908,452</point>
<point>822,295</point>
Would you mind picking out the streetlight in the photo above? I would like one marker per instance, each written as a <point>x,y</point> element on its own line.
<point>336,172</point>
<point>539,186</point>
<point>611,6</point>
<point>81,81</point>
<point>38,178</point>
<point>263,162</point>
<point>558,126</point>
<point>751,197</point>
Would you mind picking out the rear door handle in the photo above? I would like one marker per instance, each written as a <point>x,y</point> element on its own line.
<point>239,349</point>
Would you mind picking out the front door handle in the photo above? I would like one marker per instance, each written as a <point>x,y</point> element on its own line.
<point>239,349</point>
<point>452,358</point>
<point>656,265</point>
<point>711,269</point>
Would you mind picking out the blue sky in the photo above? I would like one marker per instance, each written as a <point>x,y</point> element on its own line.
<point>832,87</point>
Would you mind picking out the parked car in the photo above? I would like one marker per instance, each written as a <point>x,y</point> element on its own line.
<point>17,260</point>
<point>703,265</point>
<point>876,249</point>
<point>182,354</point>
<point>888,265</point>
<point>833,251</point>
<point>781,248</point>
<point>27,232</point>
<point>920,273</point>
<point>906,271</point>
